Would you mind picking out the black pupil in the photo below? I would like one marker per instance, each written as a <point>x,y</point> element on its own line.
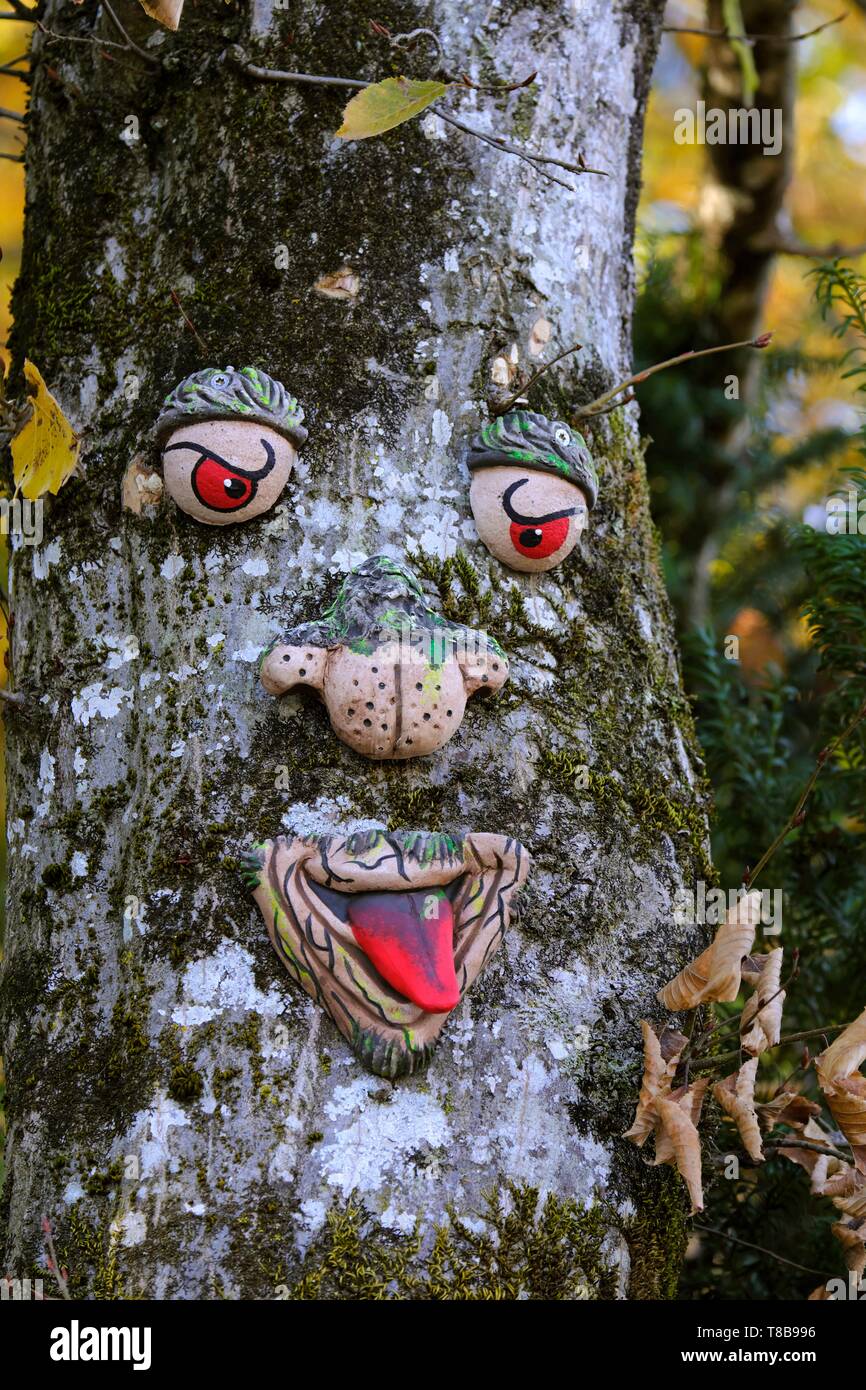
<point>530,538</point>
<point>234,487</point>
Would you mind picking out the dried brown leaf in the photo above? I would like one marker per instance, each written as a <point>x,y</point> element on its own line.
<point>168,12</point>
<point>661,1052</point>
<point>736,1096</point>
<point>818,1166</point>
<point>844,1086</point>
<point>788,1108</point>
<point>853,1242</point>
<point>678,1137</point>
<point>761,1023</point>
<point>716,974</point>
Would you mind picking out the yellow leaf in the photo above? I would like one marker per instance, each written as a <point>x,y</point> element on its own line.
<point>5,362</point>
<point>384,105</point>
<point>46,448</point>
<point>4,649</point>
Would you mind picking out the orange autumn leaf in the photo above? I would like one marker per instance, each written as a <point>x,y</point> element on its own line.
<point>736,1095</point>
<point>661,1052</point>
<point>716,974</point>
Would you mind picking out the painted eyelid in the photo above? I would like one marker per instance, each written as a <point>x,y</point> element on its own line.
<point>253,474</point>
<point>520,520</point>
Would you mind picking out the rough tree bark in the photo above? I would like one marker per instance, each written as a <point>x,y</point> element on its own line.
<point>190,1123</point>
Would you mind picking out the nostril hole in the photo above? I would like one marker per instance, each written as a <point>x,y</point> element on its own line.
<point>303,671</point>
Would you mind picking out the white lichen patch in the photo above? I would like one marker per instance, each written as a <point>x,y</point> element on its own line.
<point>221,983</point>
<point>95,702</point>
<point>44,558</point>
<point>373,1139</point>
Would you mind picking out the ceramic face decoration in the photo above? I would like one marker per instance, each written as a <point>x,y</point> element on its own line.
<point>229,440</point>
<point>533,484</point>
<point>387,931</point>
<point>394,675</point>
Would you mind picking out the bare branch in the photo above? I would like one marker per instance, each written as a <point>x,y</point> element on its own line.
<point>533,157</point>
<point>761,341</point>
<point>189,323</point>
<point>754,38</point>
<point>833,251</point>
<point>724,1058</point>
<point>15,158</point>
<point>792,1143</point>
<point>9,115</point>
<point>501,409</point>
<point>148,58</point>
<point>11,697</point>
<point>712,1230</point>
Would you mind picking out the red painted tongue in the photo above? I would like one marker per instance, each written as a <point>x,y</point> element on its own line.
<point>409,937</point>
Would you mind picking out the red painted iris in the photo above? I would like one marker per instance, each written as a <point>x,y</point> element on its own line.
<point>539,541</point>
<point>224,486</point>
<point>220,487</point>
<point>536,536</point>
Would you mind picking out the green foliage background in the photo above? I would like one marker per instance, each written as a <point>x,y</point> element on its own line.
<point>762,730</point>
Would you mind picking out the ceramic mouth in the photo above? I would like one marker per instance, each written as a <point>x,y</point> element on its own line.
<point>407,936</point>
<point>386,930</point>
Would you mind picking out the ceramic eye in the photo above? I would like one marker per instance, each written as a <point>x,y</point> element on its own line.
<point>530,521</point>
<point>224,471</point>
<point>229,441</point>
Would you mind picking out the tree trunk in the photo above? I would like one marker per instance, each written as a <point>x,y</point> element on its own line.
<point>192,1125</point>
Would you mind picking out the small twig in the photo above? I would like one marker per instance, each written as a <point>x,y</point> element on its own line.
<point>533,157</point>
<point>277,75</point>
<point>81,38</point>
<point>614,405</point>
<point>11,70</point>
<point>466,81</point>
<point>761,341</point>
<point>59,1274</point>
<point>798,814</point>
<point>9,115</point>
<point>833,251</point>
<point>712,1230</point>
<point>28,18</point>
<point>754,38</point>
<point>21,10</point>
<point>148,58</point>
<point>709,1063</point>
<point>189,323</point>
<point>828,1149</point>
<point>405,40</point>
<point>12,697</point>
<point>15,158</point>
<point>501,409</point>
<point>528,156</point>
